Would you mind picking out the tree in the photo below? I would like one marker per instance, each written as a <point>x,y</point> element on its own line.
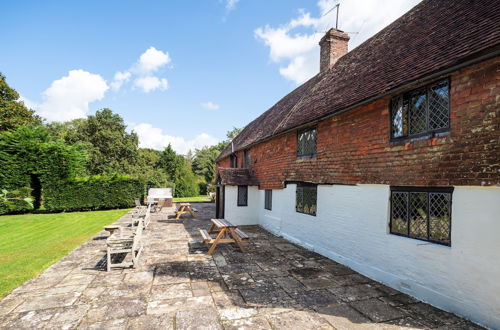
<point>186,184</point>
<point>170,162</point>
<point>233,133</point>
<point>110,147</point>
<point>147,169</point>
<point>13,113</point>
<point>204,162</point>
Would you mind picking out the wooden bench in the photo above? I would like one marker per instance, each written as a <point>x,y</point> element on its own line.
<point>205,235</point>
<point>118,243</point>
<point>183,209</point>
<point>226,233</point>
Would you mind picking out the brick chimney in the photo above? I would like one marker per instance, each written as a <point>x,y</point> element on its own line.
<point>333,46</point>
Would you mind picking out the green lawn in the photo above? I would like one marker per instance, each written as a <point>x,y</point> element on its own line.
<point>202,198</point>
<point>29,243</point>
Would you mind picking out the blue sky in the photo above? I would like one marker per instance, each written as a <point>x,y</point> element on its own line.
<point>180,72</point>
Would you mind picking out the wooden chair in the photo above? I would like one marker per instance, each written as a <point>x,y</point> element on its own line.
<point>119,244</point>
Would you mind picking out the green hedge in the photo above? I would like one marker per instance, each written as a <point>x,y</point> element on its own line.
<point>14,201</point>
<point>93,193</point>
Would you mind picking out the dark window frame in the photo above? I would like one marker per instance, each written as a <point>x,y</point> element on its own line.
<point>303,131</point>
<point>248,161</point>
<point>403,99</point>
<point>239,200</point>
<point>299,193</point>
<point>234,161</point>
<point>428,191</point>
<point>268,199</point>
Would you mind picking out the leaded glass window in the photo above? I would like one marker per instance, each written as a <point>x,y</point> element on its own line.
<point>422,213</point>
<point>247,159</point>
<point>421,111</point>
<point>306,142</point>
<point>242,195</point>
<point>306,197</point>
<point>234,161</point>
<point>268,200</point>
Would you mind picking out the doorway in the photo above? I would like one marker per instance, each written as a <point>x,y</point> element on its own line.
<point>219,201</point>
<point>36,191</point>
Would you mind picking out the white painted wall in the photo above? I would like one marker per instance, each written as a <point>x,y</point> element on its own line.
<point>351,227</point>
<point>241,215</point>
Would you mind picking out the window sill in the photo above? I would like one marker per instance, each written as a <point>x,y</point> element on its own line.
<point>306,157</point>
<point>419,137</point>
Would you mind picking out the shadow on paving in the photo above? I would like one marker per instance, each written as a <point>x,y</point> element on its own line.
<point>279,283</point>
<point>274,284</point>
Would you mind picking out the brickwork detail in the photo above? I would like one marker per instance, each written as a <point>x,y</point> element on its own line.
<point>354,147</point>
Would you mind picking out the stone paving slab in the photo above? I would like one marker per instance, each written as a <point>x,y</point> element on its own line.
<point>273,285</point>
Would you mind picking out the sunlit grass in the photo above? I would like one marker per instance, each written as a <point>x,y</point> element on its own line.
<point>30,243</point>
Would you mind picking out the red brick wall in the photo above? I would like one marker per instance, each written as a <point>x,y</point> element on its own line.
<point>354,147</point>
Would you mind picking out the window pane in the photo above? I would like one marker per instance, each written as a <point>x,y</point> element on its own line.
<point>399,220</point>
<point>418,105</point>
<point>299,206</point>
<point>439,116</point>
<point>399,117</point>
<point>247,159</point>
<point>440,211</point>
<point>306,142</point>
<point>242,195</point>
<point>418,215</point>
<point>306,199</point>
<point>268,199</point>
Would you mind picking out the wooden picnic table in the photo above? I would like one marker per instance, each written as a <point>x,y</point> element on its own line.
<point>183,209</point>
<point>226,233</point>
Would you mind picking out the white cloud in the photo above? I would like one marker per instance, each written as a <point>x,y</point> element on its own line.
<point>231,4</point>
<point>150,83</point>
<point>119,79</point>
<point>297,53</point>
<point>153,137</point>
<point>149,62</point>
<point>69,97</point>
<point>210,105</point>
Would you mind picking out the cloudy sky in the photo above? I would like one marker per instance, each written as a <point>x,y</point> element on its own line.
<point>179,72</point>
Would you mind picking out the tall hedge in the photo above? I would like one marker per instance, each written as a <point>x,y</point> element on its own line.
<point>92,193</point>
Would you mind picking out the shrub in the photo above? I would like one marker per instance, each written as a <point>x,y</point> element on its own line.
<point>93,193</point>
<point>16,201</point>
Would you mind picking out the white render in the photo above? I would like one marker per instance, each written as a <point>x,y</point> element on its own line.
<point>352,228</point>
<point>241,215</point>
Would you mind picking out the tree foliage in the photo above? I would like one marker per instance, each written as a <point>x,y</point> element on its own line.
<point>110,147</point>
<point>13,113</point>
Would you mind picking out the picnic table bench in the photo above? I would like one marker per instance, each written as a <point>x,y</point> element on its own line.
<point>183,209</point>
<point>226,233</point>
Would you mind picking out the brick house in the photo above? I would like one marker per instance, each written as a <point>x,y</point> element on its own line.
<point>388,159</point>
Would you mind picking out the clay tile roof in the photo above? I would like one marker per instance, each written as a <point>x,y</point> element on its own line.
<point>237,177</point>
<point>433,36</point>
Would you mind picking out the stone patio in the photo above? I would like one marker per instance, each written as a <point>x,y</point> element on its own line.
<point>274,285</point>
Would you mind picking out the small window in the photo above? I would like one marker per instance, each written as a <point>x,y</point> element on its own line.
<point>242,195</point>
<point>306,142</point>
<point>247,159</point>
<point>421,112</point>
<point>268,199</point>
<point>234,161</point>
<point>422,213</point>
<point>306,196</point>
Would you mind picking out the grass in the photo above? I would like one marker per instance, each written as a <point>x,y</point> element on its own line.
<point>202,198</point>
<point>30,243</point>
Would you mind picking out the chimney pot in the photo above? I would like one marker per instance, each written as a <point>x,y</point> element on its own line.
<point>333,46</point>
